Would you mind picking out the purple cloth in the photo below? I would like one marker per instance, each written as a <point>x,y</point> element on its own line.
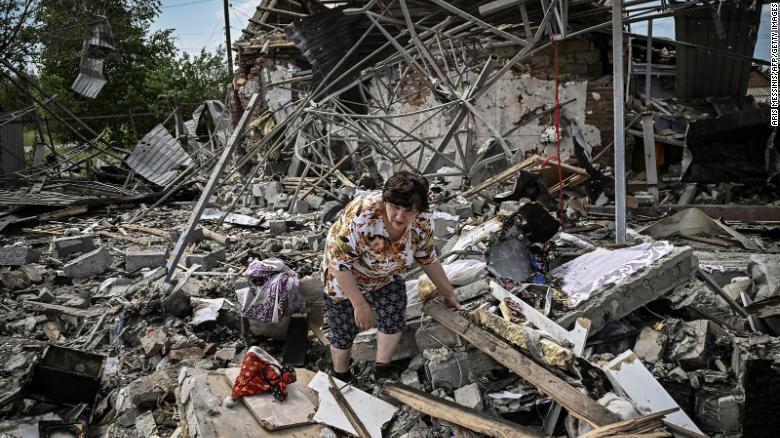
<point>274,291</point>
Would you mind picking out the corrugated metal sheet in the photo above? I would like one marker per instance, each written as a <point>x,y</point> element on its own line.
<point>702,74</point>
<point>219,119</point>
<point>90,80</point>
<point>51,199</point>
<point>11,148</point>
<point>761,94</point>
<point>158,157</point>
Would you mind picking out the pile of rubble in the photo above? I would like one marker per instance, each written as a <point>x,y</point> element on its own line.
<point>130,293</point>
<point>96,339</point>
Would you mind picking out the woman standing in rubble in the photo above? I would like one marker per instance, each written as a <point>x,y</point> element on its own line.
<point>375,239</point>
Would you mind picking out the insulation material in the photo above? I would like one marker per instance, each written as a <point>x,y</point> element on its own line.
<point>592,271</point>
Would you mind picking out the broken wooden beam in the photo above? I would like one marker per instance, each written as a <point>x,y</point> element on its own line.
<point>354,420</point>
<point>645,425</point>
<point>501,176</point>
<point>457,414</point>
<point>577,403</point>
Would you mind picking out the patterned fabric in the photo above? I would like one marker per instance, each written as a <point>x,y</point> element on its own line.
<point>389,304</point>
<point>273,291</point>
<point>358,241</point>
<point>261,373</point>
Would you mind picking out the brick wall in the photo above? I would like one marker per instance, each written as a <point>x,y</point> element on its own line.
<point>599,113</point>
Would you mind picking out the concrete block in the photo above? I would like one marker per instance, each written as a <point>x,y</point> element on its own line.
<point>257,190</point>
<point>271,190</point>
<point>90,264</point>
<point>463,211</point>
<point>277,228</point>
<point>443,227</point>
<point>477,204</point>
<point>66,246</point>
<point>18,255</point>
<point>729,414</point>
<point>509,206</point>
<point>411,378</point>
<point>460,368</point>
<point>470,396</point>
<point>225,354</point>
<point>364,347</point>
<point>207,260</point>
<point>136,259</point>
<point>435,335</point>
<point>282,201</point>
<point>299,207</point>
<point>145,424</point>
<point>153,341</point>
<point>692,344</point>
<point>649,345</point>
<point>315,202</point>
<point>616,301</point>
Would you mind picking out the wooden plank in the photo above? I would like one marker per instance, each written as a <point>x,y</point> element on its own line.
<point>577,403</point>
<point>296,410</point>
<point>72,311</point>
<point>347,409</point>
<point>641,424</point>
<point>501,176</point>
<point>455,413</point>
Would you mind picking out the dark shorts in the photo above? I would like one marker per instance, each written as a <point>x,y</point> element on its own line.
<point>389,304</point>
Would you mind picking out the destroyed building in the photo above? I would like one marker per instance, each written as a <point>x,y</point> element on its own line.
<point>609,219</point>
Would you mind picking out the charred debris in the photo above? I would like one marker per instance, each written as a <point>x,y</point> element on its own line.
<point>615,243</point>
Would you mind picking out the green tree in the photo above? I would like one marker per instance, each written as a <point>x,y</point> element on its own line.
<point>144,72</point>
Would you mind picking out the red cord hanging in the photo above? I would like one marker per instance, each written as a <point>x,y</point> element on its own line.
<point>556,75</point>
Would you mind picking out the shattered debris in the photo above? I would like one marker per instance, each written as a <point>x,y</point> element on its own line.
<point>148,297</point>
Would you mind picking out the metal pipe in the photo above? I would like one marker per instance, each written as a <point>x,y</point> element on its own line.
<point>619,137</point>
<point>648,62</point>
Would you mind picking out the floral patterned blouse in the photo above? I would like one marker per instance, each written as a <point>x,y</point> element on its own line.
<point>358,241</point>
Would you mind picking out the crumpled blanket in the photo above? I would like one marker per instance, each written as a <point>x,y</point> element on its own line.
<point>274,291</point>
<point>261,373</point>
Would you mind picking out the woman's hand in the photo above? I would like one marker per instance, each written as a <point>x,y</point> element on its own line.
<point>450,300</point>
<point>364,316</point>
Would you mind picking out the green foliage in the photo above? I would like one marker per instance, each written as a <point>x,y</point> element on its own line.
<point>144,73</point>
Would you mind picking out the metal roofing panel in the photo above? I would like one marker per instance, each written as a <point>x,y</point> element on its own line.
<point>90,80</point>
<point>703,74</point>
<point>158,156</point>
<point>12,148</point>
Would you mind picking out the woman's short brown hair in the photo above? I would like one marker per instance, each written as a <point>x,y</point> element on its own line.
<point>407,189</point>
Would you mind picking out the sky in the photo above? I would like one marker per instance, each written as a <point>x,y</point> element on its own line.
<point>200,24</point>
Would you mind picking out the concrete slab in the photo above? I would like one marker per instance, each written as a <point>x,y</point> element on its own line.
<point>629,376</point>
<point>615,301</point>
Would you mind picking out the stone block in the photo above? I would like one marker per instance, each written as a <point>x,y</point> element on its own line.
<point>470,396</point>
<point>277,228</point>
<point>616,301</point>
<point>18,255</point>
<point>152,258</point>
<point>435,335</point>
<point>66,246</point>
<point>207,260</point>
<point>649,345</point>
<point>90,264</point>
